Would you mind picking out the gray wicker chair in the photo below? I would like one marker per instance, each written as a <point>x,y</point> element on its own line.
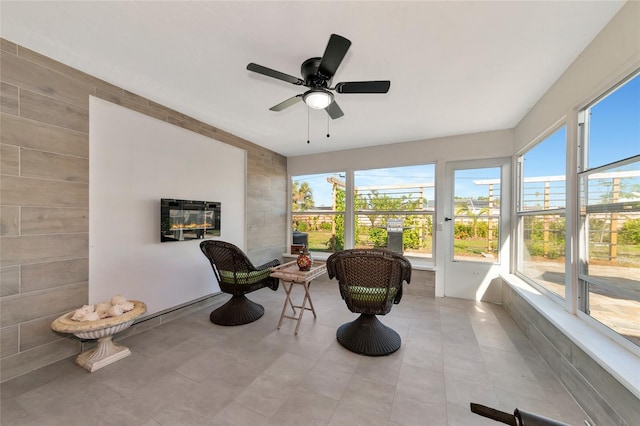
<point>237,276</point>
<point>370,283</point>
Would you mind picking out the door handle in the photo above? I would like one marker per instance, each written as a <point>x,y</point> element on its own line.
<point>447,219</point>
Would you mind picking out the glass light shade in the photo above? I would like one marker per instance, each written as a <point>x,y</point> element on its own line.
<point>318,99</point>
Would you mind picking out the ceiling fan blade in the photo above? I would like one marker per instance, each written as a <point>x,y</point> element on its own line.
<point>381,86</point>
<point>274,74</point>
<point>286,104</point>
<point>333,55</point>
<point>334,110</point>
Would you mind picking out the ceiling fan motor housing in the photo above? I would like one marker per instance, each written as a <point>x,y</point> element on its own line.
<point>309,72</point>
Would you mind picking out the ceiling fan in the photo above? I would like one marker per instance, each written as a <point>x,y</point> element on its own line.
<point>317,74</point>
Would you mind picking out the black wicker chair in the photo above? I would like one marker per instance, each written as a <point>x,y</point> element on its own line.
<point>237,276</point>
<point>370,283</point>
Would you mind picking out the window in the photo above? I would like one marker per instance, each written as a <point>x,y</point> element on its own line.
<point>609,179</point>
<point>317,211</point>
<point>541,213</point>
<point>399,196</point>
<point>394,207</point>
<point>476,214</point>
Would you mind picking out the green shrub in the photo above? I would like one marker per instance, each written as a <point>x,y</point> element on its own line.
<point>336,242</point>
<point>411,239</point>
<point>378,237</point>
<point>536,248</point>
<point>556,228</point>
<point>482,229</point>
<point>630,232</point>
<point>462,231</point>
<point>325,226</point>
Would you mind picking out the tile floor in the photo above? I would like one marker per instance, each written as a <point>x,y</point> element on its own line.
<point>192,372</point>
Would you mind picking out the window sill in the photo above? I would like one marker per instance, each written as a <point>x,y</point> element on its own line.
<point>613,357</point>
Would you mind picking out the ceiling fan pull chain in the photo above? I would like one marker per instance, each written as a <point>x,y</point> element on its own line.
<point>308,125</point>
<point>328,135</point>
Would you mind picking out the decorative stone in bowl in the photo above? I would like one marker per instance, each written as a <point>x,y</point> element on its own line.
<point>103,330</point>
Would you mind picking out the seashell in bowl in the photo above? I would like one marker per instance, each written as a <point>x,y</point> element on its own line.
<point>78,315</point>
<point>127,306</point>
<point>118,299</point>
<point>91,316</point>
<point>114,311</point>
<point>89,308</point>
<point>102,308</point>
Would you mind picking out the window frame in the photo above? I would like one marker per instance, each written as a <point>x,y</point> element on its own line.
<point>583,172</point>
<point>520,213</point>
<point>350,213</point>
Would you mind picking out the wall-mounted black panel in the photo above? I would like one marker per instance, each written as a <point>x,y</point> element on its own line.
<point>182,220</point>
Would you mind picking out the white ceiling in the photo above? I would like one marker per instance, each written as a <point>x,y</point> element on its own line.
<point>455,67</point>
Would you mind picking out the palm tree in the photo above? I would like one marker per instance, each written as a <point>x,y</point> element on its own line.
<point>301,196</point>
<point>469,210</point>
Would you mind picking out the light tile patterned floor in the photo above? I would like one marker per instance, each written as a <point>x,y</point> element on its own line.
<point>192,372</point>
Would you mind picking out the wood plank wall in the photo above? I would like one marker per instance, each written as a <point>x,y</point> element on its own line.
<point>605,400</point>
<point>44,198</point>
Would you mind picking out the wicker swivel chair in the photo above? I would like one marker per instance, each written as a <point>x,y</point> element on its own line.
<point>370,283</point>
<point>237,276</point>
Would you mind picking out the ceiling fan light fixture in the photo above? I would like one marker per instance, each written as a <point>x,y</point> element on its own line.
<point>318,98</point>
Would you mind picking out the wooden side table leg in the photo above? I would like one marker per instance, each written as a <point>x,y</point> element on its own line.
<point>308,294</point>
<point>307,297</point>
<point>302,309</point>
<point>287,301</point>
<point>293,308</point>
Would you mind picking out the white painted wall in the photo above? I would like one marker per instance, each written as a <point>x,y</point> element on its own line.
<point>134,161</point>
<point>494,144</point>
<point>610,57</point>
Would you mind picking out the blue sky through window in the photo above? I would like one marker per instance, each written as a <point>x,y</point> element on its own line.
<point>547,158</point>
<point>614,125</point>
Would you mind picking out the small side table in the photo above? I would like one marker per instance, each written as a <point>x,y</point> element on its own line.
<point>289,274</point>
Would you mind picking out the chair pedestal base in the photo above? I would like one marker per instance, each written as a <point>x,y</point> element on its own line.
<point>368,336</point>
<point>237,311</point>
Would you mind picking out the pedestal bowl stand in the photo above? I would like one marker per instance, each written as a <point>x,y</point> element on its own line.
<point>103,330</point>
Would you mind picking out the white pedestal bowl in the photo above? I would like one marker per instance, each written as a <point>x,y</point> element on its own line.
<point>103,330</point>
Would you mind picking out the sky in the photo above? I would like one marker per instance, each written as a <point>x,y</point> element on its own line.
<point>615,125</point>
<point>614,135</point>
